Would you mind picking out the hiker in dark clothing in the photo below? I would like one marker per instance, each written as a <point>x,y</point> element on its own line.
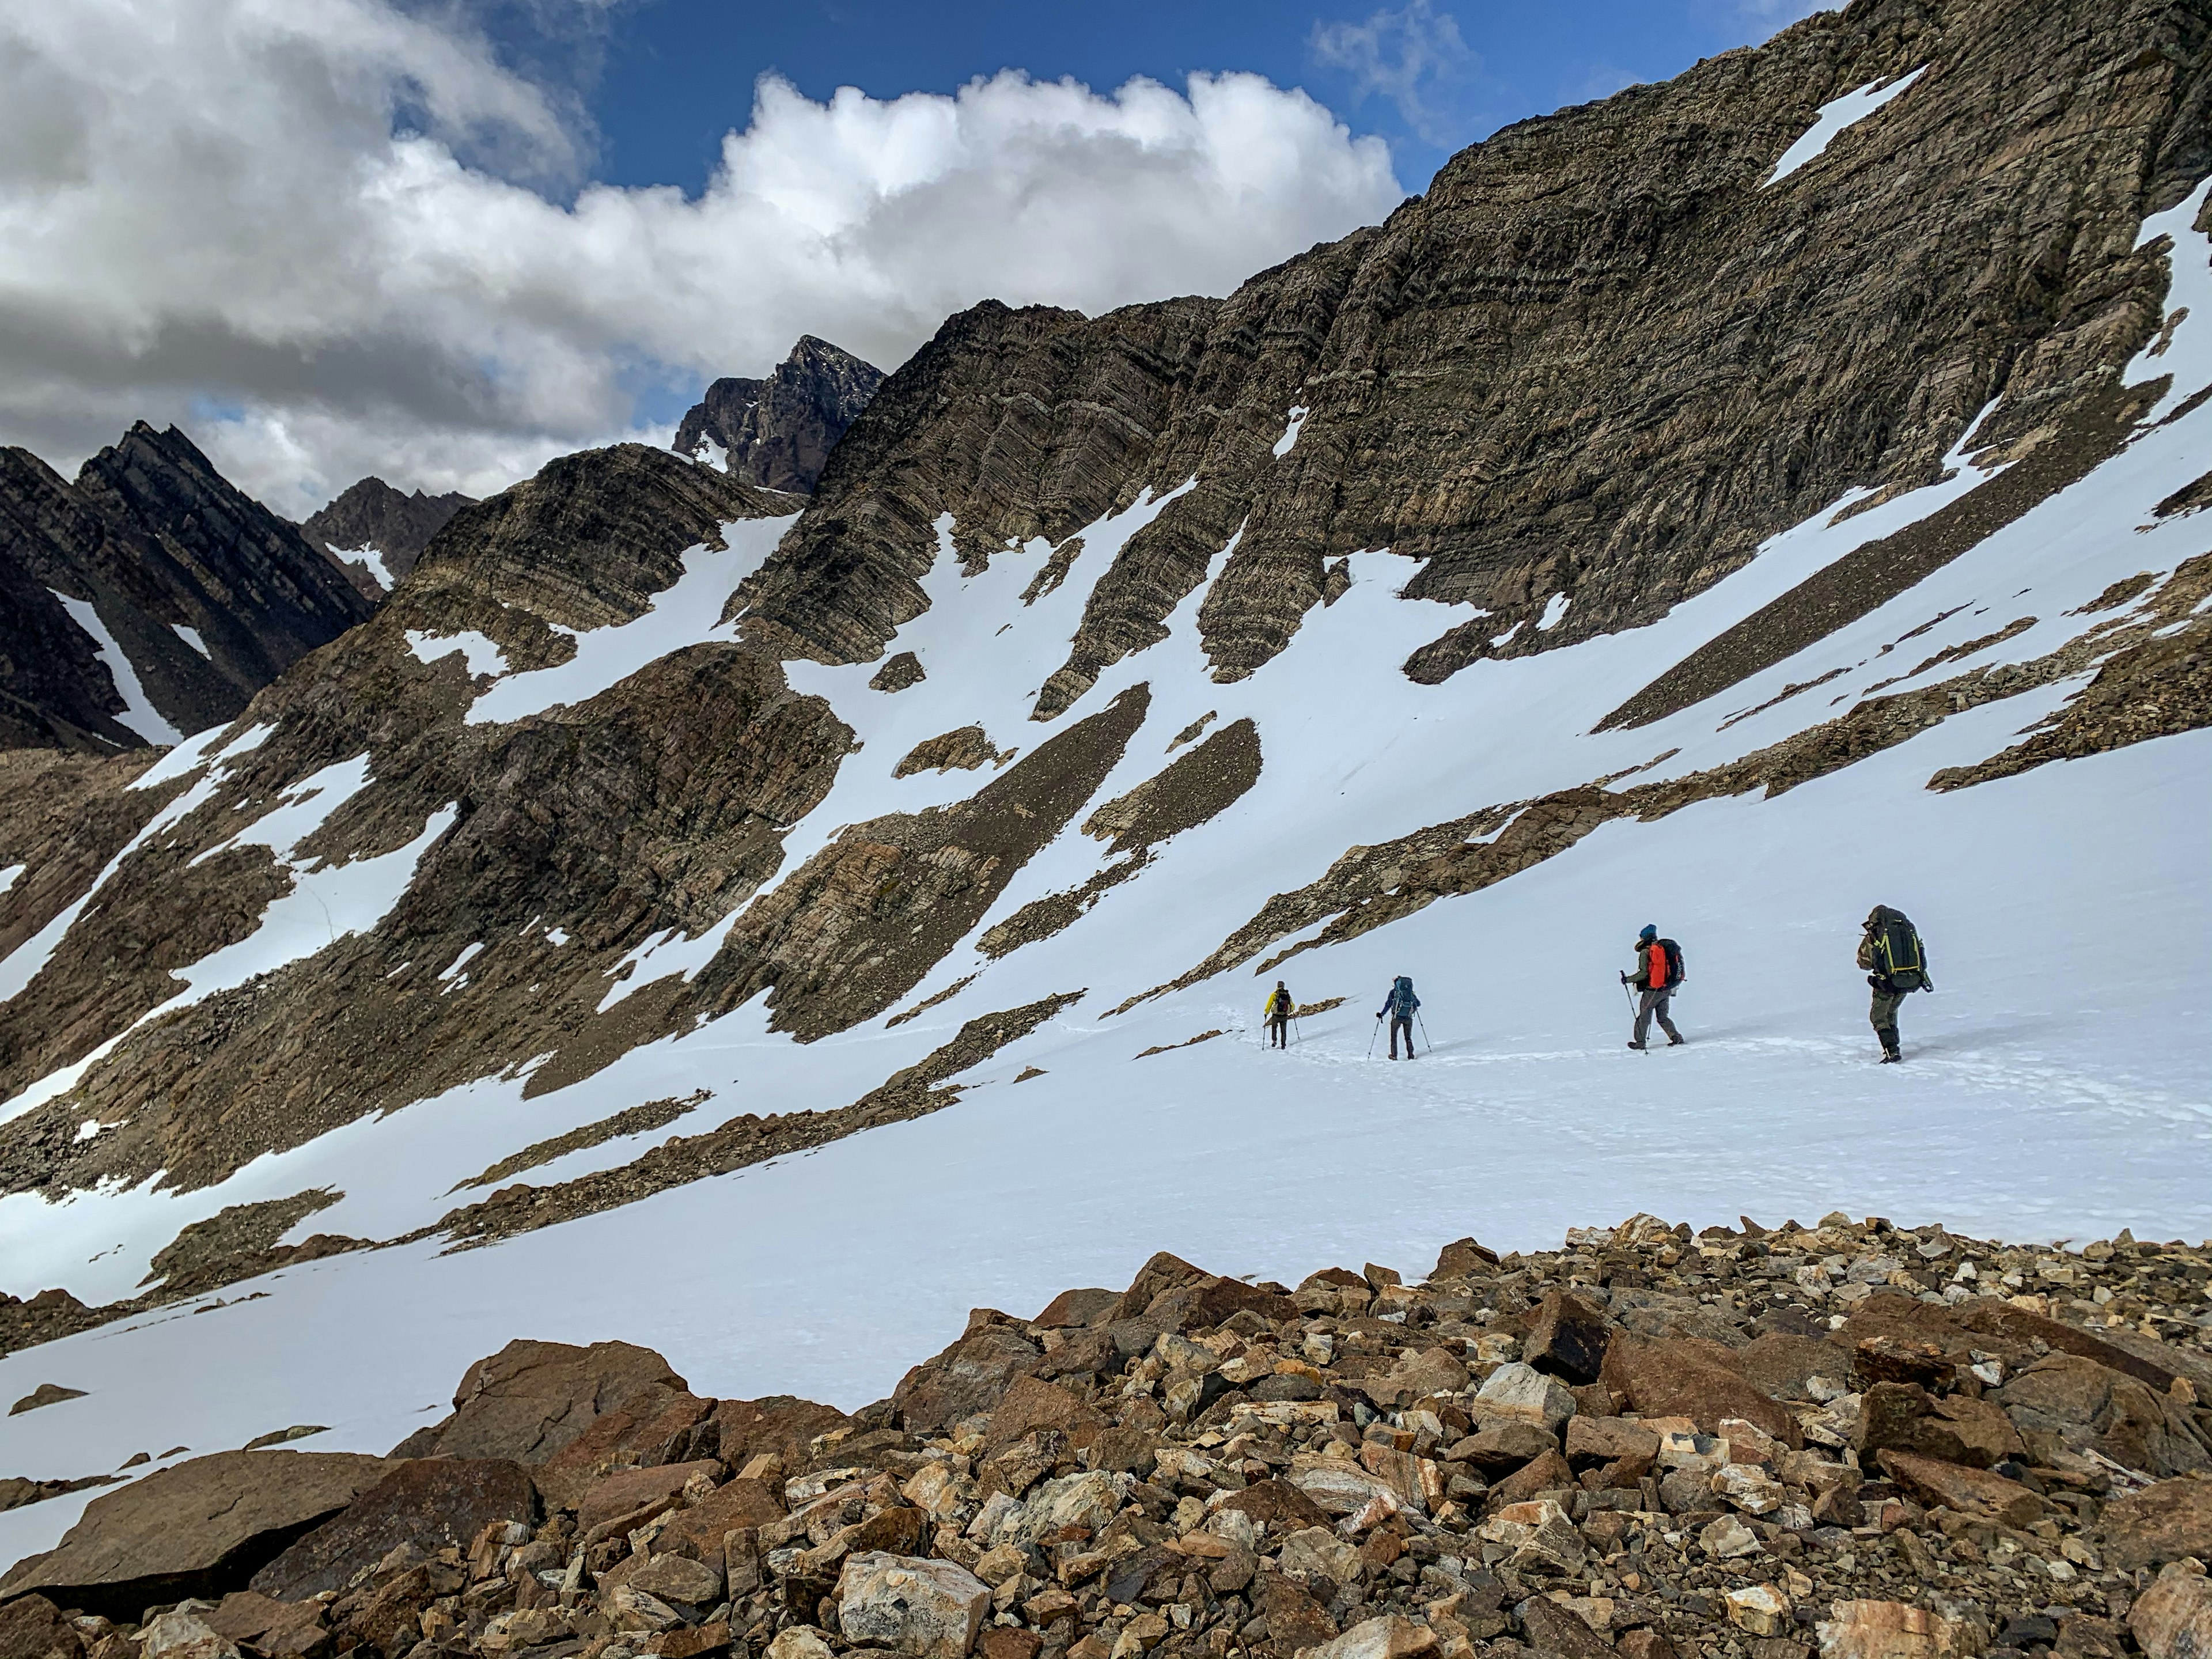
<point>1897,965</point>
<point>1399,1005</point>
<point>1278,1016</point>
<point>1654,982</point>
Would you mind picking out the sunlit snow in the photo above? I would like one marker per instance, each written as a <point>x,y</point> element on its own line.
<point>1836,115</point>
<point>139,715</point>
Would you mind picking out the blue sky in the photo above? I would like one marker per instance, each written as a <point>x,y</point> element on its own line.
<point>664,79</point>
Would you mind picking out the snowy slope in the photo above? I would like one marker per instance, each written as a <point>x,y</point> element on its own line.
<point>2056,1085</point>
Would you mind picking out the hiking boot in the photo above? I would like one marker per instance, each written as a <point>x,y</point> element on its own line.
<point>1637,1046</point>
<point>1675,1042</point>
<point>1890,1056</point>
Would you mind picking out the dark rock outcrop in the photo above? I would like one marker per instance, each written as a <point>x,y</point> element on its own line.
<point>208,595</point>
<point>397,526</point>
<point>778,432</point>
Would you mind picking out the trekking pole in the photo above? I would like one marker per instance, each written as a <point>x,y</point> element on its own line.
<point>1372,1035</point>
<point>1424,1024</point>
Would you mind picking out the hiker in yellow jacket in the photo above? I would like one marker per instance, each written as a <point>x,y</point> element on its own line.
<point>1278,1016</point>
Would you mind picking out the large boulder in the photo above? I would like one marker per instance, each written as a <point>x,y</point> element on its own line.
<point>1977,1493</point>
<point>1030,1405</point>
<point>736,1504</point>
<point>2088,1407</point>
<point>1673,1377</point>
<point>654,1426</point>
<point>2159,1524</point>
<point>530,1400</point>
<point>630,1490</point>
<point>426,1502</point>
<point>202,1528</point>
<point>1905,1417</point>
<point>2172,1620</point>
<point>1896,1630</point>
<point>925,1608</point>
<point>971,1377</point>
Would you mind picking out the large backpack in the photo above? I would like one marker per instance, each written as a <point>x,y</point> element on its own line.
<point>1897,956</point>
<point>1674,962</point>
<point>1402,1000</point>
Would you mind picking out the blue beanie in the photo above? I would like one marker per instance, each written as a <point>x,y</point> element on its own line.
<point>1649,931</point>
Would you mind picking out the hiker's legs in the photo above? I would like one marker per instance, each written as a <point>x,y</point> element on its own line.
<point>1280,1027</point>
<point>1882,1015</point>
<point>1647,1004</point>
<point>1666,1001</point>
<point>1400,1023</point>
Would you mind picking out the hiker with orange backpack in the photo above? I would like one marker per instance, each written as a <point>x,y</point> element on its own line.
<point>1658,972</point>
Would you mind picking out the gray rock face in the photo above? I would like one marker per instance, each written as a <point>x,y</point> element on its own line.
<point>208,595</point>
<point>372,513</point>
<point>777,432</point>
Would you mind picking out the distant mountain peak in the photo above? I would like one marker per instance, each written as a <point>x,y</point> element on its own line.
<point>777,432</point>
<point>377,532</point>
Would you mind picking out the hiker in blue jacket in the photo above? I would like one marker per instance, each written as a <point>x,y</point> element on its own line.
<point>1399,1005</point>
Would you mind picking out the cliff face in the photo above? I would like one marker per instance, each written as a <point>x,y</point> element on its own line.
<point>1601,361</point>
<point>379,531</point>
<point>778,432</point>
<point>150,599</point>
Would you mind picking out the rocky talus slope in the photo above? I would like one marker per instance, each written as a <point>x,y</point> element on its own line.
<point>1856,1439</point>
<point>777,432</point>
<point>378,532</point>
<point>149,598</point>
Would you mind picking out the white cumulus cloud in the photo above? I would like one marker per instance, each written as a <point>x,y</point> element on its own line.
<point>322,236</point>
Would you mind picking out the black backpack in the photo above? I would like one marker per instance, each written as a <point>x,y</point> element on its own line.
<point>1897,954</point>
<point>1674,961</point>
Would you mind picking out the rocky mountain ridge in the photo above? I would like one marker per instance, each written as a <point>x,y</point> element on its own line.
<point>150,599</point>
<point>378,532</point>
<point>1867,1441</point>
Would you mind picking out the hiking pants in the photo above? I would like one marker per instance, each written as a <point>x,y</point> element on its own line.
<point>1401,1023</point>
<point>1654,1003</point>
<point>1883,1017</point>
<point>1279,1030</point>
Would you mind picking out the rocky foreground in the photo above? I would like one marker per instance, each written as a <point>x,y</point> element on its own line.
<point>1883,1443</point>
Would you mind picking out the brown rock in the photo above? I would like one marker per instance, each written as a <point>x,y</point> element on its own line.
<point>696,1642</point>
<point>2159,1524</point>
<point>2091,1406</point>
<point>1777,1363</point>
<point>898,1530</point>
<point>1160,1274</point>
<point>1502,1447</point>
<point>1549,1472</point>
<point>1678,1376</point>
<point>1030,1405</point>
<point>280,1630</point>
<point>531,1399</point>
<point>1070,1309</point>
<point>32,1627</point>
<point>782,1424</point>
<point>46,1394</point>
<point>1593,1441</point>
<point>1645,1643</point>
<point>652,1426</point>
<point>201,1528</point>
<point>1888,1360</point>
<point>1001,1642</point>
<point>2172,1620</point>
<point>619,1494</point>
<point>1567,1338</point>
<point>1904,1417</point>
<point>1552,1628</point>
<point>972,1376</point>
<point>1464,1259</point>
<point>1279,1506</point>
<point>1295,1620</point>
<point>1214,1302</point>
<point>2018,1325</point>
<point>733,1504</point>
<point>428,1503</point>
<point>1967,1492</point>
